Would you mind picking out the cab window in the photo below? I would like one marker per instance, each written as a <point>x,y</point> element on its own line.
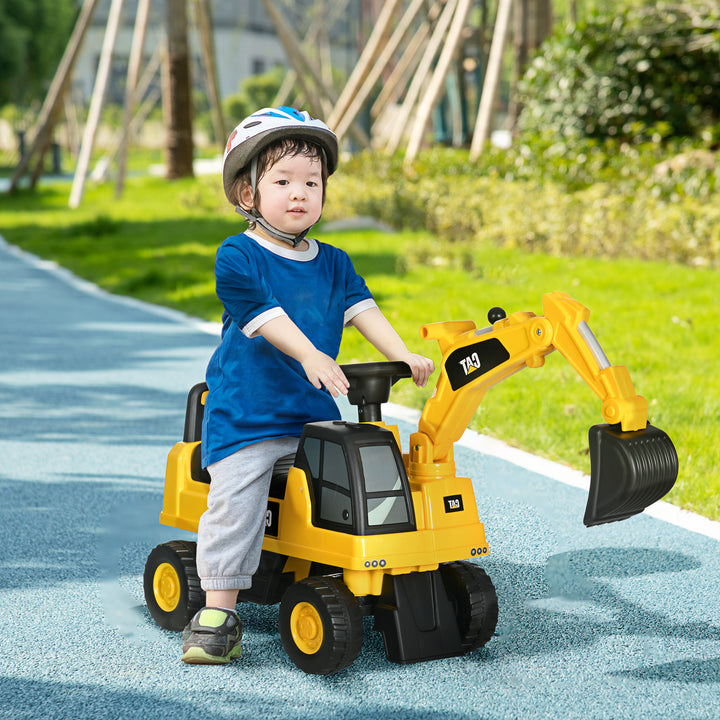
<point>335,501</point>
<point>385,497</point>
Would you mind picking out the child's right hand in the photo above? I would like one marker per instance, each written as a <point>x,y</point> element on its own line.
<point>321,370</point>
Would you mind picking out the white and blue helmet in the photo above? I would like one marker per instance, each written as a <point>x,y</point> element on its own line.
<point>257,132</point>
<point>264,127</point>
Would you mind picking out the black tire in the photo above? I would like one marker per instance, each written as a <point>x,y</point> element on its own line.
<point>321,625</point>
<point>172,586</point>
<point>475,601</point>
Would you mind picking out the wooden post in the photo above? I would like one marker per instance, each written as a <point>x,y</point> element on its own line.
<point>420,78</point>
<point>492,79</point>
<point>377,39</point>
<point>207,46</point>
<point>437,81</point>
<point>129,131</point>
<point>335,11</point>
<point>382,61</point>
<point>136,121</point>
<point>320,103</point>
<point>50,110</point>
<point>400,75</point>
<point>136,51</point>
<point>96,103</point>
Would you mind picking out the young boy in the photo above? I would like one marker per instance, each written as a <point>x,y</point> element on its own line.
<point>286,299</point>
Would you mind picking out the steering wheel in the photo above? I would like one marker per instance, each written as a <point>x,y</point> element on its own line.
<point>370,385</point>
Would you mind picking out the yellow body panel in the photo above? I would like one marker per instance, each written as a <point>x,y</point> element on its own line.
<point>299,538</point>
<point>363,558</point>
<point>185,499</point>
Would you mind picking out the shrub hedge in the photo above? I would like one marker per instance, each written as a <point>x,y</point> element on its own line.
<point>609,200</point>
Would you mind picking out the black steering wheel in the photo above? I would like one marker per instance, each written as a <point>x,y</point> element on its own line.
<point>370,385</point>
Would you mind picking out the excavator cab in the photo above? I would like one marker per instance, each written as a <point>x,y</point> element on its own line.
<point>357,479</point>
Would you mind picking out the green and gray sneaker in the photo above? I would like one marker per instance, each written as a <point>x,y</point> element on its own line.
<point>212,637</point>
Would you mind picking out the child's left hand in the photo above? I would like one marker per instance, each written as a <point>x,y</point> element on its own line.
<point>422,367</point>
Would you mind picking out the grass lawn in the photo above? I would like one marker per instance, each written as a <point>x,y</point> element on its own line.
<point>158,243</point>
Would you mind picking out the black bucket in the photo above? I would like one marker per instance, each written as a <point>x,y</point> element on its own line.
<point>629,471</point>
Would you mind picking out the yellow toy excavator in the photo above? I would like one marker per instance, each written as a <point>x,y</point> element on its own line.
<point>358,528</point>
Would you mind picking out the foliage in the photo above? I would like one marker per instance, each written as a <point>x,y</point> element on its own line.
<point>33,35</point>
<point>255,92</point>
<point>648,72</point>
<point>641,207</point>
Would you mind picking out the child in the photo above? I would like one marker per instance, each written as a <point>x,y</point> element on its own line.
<point>286,299</point>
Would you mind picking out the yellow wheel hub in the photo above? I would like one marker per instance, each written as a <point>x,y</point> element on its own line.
<point>306,628</point>
<point>166,587</point>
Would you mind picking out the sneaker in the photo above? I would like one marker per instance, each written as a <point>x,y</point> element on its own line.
<point>212,637</point>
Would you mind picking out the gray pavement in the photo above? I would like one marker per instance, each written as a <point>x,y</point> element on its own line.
<point>619,621</point>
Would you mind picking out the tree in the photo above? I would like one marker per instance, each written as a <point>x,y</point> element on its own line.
<point>640,73</point>
<point>177,96</point>
<point>33,35</point>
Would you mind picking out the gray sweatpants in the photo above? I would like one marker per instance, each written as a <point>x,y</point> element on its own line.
<point>231,530</point>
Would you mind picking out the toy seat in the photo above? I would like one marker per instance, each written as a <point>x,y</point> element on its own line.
<point>193,433</point>
<point>193,430</point>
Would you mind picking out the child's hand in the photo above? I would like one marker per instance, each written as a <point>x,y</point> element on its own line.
<point>321,370</point>
<point>422,367</point>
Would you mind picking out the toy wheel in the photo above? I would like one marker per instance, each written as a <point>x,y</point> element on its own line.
<point>475,600</point>
<point>172,587</point>
<point>321,625</point>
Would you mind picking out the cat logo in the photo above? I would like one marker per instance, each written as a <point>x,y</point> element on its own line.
<point>471,363</point>
<point>467,363</point>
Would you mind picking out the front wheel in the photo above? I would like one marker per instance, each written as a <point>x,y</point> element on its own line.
<point>475,601</point>
<point>172,587</point>
<point>321,625</point>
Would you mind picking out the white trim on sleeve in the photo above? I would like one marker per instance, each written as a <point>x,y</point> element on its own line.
<point>357,308</point>
<point>258,321</point>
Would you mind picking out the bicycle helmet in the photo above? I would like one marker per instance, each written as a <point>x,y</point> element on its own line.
<point>261,129</point>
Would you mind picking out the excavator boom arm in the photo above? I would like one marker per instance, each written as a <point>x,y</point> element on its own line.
<point>633,464</point>
<point>475,360</point>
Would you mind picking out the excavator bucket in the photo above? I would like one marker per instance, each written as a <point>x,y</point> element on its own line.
<point>629,471</point>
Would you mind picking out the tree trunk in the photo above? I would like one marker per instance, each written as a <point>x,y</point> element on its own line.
<point>177,96</point>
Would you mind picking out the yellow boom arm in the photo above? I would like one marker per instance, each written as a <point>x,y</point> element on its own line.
<point>475,360</point>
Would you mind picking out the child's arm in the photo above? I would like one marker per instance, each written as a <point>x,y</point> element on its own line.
<point>378,331</point>
<point>320,368</point>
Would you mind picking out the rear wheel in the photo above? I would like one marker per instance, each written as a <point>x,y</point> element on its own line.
<point>321,625</point>
<point>172,587</point>
<point>475,601</point>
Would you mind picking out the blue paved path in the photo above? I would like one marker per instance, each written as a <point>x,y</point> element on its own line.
<point>620,621</point>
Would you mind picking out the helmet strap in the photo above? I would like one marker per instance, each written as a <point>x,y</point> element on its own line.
<point>253,216</point>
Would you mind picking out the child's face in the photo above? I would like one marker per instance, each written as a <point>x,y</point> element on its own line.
<point>291,193</point>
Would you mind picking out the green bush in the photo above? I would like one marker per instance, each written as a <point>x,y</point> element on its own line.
<point>642,73</point>
<point>642,207</point>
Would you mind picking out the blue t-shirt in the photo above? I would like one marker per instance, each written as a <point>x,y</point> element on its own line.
<point>256,392</point>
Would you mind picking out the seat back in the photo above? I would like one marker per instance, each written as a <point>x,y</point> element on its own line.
<point>193,429</point>
<point>194,413</point>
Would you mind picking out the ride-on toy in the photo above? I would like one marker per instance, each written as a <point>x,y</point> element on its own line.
<point>357,528</point>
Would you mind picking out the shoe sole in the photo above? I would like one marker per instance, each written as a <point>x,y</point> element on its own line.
<point>197,656</point>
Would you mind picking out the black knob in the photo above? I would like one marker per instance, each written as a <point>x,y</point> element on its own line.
<point>495,314</point>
